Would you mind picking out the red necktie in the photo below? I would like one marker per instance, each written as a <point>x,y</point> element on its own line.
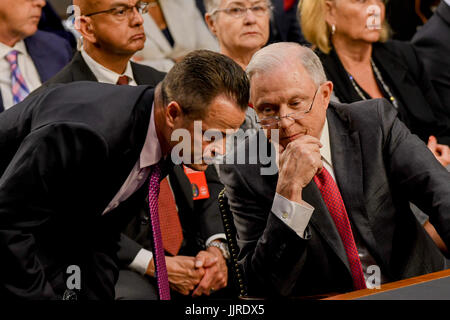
<point>171,231</point>
<point>123,80</point>
<point>333,200</point>
<point>288,4</point>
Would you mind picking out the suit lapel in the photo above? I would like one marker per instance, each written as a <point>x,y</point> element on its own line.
<point>346,153</point>
<point>80,70</point>
<point>1,103</point>
<point>323,223</point>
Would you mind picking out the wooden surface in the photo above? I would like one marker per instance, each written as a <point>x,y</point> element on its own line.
<point>391,286</point>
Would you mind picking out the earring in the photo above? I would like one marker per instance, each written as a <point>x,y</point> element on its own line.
<point>333,29</point>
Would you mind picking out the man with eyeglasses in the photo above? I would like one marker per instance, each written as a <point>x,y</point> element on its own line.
<point>336,217</point>
<point>112,33</point>
<point>77,160</point>
<point>103,63</point>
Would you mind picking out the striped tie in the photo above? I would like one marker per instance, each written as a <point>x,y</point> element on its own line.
<point>18,86</point>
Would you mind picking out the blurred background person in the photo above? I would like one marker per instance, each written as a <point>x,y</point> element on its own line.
<point>351,40</point>
<point>28,57</point>
<point>51,22</point>
<point>110,39</point>
<point>242,28</point>
<point>194,225</point>
<point>284,25</point>
<point>432,43</point>
<point>173,29</point>
<point>405,17</point>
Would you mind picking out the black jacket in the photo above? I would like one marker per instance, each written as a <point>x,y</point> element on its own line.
<point>404,73</point>
<point>66,151</point>
<point>379,167</point>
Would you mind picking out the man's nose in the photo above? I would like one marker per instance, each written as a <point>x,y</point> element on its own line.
<point>137,19</point>
<point>41,3</point>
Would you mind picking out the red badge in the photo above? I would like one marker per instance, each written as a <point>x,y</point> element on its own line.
<point>198,182</point>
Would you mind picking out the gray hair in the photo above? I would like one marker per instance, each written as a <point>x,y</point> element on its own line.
<point>211,5</point>
<point>277,54</point>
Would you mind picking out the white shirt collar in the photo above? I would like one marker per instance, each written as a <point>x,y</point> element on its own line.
<point>325,151</point>
<point>19,46</point>
<point>151,151</point>
<point>447,2</point>
<point>105,75</point>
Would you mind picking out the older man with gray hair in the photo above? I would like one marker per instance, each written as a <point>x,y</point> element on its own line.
<point>338,210</point>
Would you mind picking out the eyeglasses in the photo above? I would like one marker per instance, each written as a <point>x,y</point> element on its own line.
<point>274,122</point>
<point>121,12</point>
<point>239,12</point>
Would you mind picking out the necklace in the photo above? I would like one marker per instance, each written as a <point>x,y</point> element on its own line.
<point>380,78</point>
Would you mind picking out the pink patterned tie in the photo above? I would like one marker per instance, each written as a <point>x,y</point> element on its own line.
<point>333,200</point>
<point>18,86</point>
<point>158,252</point>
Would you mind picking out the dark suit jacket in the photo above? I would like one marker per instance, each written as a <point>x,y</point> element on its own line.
<point>432,42</point>
<point>200,219</point>
<point>404,73</point>
<point>379,166</point>
<point>50,53</point>
<point>78,70</point>
<point>66,151</point>
<point>285,26</point>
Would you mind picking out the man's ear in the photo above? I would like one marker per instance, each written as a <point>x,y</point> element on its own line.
<point>174,115</point>
<point>327,90</point>
<point>210,22</point>
<point>86,29</point>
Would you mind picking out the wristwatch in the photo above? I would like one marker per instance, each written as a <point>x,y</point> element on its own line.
<point>223,247</point>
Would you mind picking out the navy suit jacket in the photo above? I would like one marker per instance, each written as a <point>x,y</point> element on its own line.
<point>50,53</point>
<point>284,26</point>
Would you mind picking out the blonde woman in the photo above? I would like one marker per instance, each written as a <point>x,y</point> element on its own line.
<point>350,37</point>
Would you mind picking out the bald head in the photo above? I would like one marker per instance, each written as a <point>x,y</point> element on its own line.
<point>88,6</point>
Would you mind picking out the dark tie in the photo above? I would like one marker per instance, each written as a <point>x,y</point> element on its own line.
<point>123,80</point>
<point>158,252</point>
<point>171,231</point>
<point>333,200</point>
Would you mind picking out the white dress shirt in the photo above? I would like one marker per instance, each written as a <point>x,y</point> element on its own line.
<point>297,215</point>
<point>151,154</point>
<point>105,75</point>
<point>26,67</point>
<point>447,2</point>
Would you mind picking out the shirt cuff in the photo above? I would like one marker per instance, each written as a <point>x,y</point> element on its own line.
<point>218,236</point>
<point>141,261</point>
<point>295,215</point>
